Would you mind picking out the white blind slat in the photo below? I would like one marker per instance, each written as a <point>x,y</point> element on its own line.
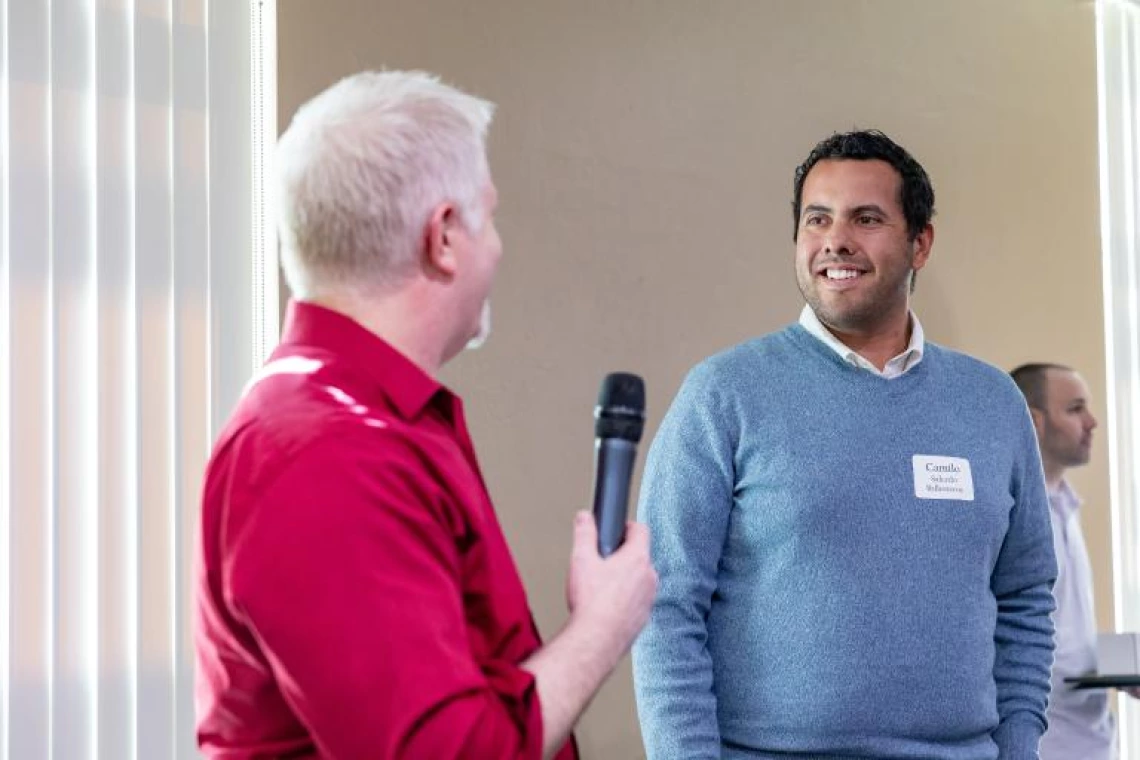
<point>228,26</point>
<point>116,693</point>
<point>1118,62</point>
<point>191,333</point>
<point>29,553</point>
<point>153,274</point>
<point>5,394</point>
<point>74,343</point>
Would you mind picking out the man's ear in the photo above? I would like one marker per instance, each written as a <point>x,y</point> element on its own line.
<point>439,240</point>
<point>922,243</point>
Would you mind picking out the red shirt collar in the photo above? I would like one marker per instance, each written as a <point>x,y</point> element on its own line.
<point>411,390</point>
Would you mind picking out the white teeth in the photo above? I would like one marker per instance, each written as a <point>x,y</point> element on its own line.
<point>841,274</point>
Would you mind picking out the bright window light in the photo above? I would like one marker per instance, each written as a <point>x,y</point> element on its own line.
<point>132,171</point>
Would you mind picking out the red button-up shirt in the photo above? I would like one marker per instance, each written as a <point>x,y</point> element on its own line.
<point>356,597</point>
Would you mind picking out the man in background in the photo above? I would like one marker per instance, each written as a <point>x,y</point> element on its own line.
<point>1080,724</point>
<point>356,597</point>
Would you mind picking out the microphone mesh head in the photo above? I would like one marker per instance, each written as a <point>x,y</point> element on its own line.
<point>620,412</point>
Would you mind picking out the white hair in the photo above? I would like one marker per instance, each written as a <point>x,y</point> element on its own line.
<point>360,169</point>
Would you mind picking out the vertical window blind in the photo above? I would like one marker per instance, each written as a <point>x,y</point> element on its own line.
<point>1118,66</point>
<point>137,291</point>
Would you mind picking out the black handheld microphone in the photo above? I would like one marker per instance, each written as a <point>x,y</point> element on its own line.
<point>619,419</point>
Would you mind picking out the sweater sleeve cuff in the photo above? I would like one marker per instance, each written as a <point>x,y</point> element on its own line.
<point>1017,739</point>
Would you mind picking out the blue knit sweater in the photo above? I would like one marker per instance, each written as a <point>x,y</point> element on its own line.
<point>811,603</point>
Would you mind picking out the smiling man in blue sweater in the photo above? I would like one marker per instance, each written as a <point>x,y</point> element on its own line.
<point>850,524</point>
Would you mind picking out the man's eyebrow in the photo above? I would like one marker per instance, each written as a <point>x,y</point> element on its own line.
<point>868,208</point>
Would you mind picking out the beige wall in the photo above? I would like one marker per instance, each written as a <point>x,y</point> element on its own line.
<point>644,151</point>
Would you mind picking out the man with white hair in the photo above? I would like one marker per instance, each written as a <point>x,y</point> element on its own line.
<point>356,597</point>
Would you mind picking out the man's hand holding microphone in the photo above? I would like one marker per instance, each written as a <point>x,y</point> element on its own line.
<point>611,583</point>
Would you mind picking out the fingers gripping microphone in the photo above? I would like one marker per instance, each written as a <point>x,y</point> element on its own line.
<point>619,419</point>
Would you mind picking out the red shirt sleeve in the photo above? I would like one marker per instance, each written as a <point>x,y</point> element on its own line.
<point>348,572</point>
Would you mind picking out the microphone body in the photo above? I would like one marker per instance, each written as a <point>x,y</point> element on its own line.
<point>620,418</point>
<point>614,459</point>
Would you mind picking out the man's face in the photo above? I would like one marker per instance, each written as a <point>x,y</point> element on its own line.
<point>853,257</point>
<point>1065,425</point>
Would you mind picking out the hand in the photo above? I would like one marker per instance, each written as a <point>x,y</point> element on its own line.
<point>612,595</point>
<point>1132,691</point>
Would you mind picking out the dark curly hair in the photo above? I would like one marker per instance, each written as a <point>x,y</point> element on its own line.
<point>917,194</point>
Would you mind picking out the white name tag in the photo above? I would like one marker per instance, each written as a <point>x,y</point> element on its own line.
<point>942,478</point>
